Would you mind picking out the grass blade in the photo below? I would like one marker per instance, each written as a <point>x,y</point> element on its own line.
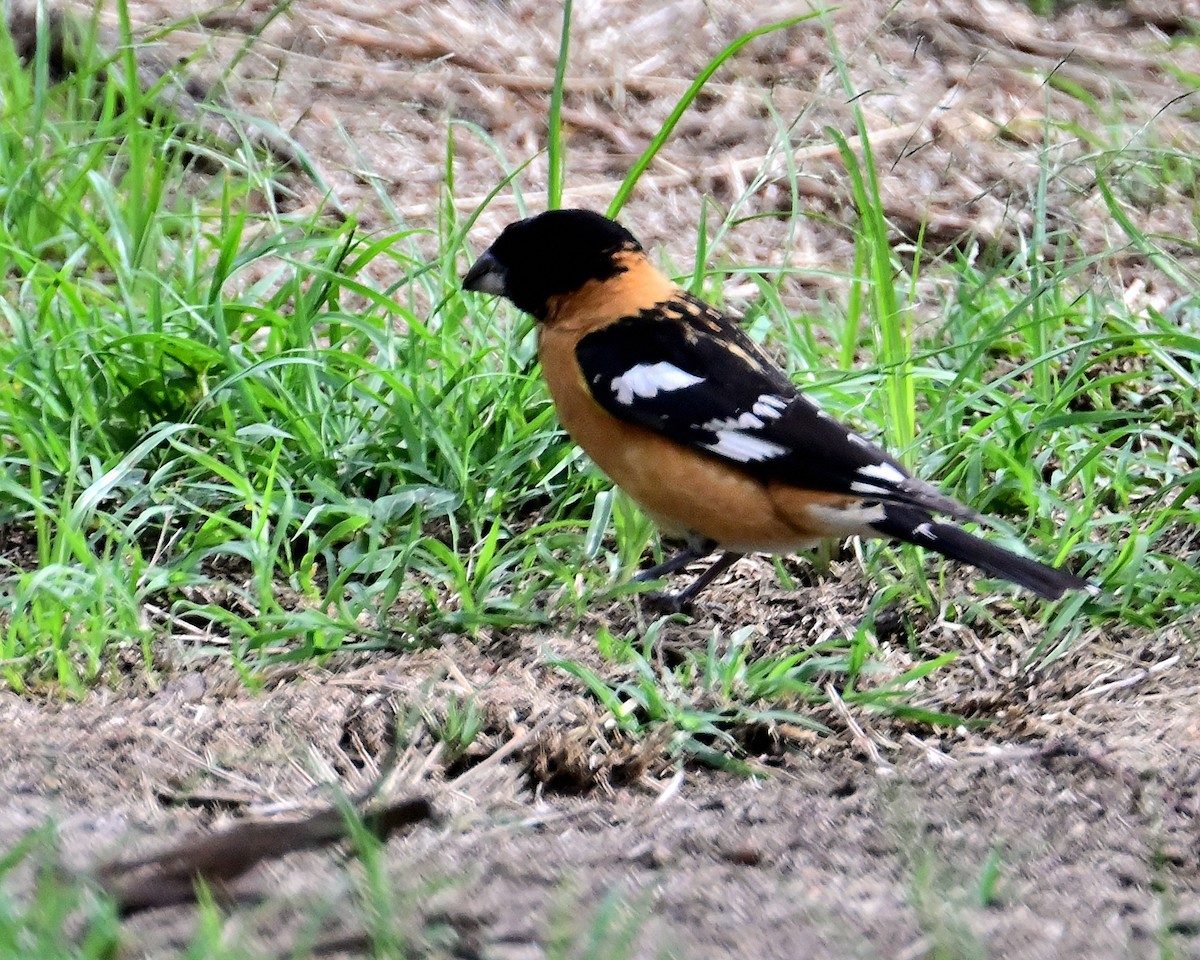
<point>625,190</point>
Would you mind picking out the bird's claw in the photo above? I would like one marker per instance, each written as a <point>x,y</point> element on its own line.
<point>664,602</point>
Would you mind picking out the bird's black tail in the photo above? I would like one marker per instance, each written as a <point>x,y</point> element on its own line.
<point>913,525</point>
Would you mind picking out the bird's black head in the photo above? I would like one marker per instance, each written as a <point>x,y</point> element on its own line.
<point>548,255</point>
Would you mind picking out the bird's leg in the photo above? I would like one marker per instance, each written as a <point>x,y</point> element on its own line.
<point>719,566</point>
<point>678,602</point>
<point>693,551</point>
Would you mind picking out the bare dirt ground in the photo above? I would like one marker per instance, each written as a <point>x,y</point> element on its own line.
<point>872,843</point>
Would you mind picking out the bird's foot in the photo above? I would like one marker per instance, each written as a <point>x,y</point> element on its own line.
<point>663,602</point>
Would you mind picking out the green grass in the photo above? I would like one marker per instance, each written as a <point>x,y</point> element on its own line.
<point>197,395</point>
<point>63,914</point>
<point>60,917</point>
<point>715,699</point>
<point>221,431</point>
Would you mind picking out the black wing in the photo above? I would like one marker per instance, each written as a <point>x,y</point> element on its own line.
<point>687,371</point>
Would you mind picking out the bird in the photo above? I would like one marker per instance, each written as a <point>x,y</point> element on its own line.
<point>699,426</point>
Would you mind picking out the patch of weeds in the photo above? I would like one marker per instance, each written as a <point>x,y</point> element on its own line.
<point>943,910</point>
<point>57,916</point>
<point>219,427</point>
<point>48,912</point>
<point>989,889</point>
<point>456,726</point>
<point>728,701</point>
<point>611,932</point>
<point>1178,927</point>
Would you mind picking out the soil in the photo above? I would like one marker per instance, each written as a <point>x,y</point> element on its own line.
<point>1065,827</point>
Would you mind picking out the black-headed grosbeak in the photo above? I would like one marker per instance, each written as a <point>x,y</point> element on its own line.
<point>694,421</point>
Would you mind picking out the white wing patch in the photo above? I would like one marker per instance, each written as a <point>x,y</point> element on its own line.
<point>744,447</point>
<point>747,421</point>
<point>882,471</point>
<point>876,471</point>
<point>770,406</point>
<point>925,530</point>
<point>766,407</point>
<point>735,443</point>
<point>649,379</point>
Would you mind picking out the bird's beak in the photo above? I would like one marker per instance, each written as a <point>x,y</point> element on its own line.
<point>488,275</point>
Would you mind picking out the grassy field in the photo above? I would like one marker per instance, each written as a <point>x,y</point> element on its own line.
<point>230,431</point>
